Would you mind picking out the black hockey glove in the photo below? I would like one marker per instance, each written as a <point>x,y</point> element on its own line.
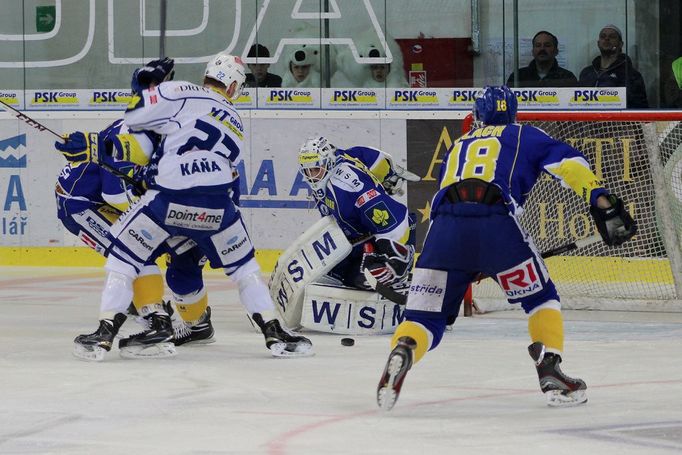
<point>154,72</point>
<point>389,263</point>
<point>615,225</point>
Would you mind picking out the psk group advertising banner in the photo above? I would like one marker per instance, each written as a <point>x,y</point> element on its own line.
<point>458,99</point>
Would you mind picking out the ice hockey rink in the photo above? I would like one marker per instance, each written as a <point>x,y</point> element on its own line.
<point>476,394</point>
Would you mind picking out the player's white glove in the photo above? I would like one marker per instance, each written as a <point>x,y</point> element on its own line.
<point>393,183</point>
<point>389,262</point>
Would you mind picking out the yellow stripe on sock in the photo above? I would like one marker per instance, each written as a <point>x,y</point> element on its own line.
<point>415,331</point>
<point>547,327</point>
<point>147,289</point>
<point>191,312</point>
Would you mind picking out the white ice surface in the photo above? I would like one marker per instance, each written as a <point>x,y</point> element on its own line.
<point>477,393</point>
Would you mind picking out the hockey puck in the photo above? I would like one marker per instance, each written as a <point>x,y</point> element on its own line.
<point>347,341</point>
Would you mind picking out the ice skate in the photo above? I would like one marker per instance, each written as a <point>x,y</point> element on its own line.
<point>199,333</point>
<point>280,341</point>
<point>398,364</point>
<point>157,342</point>
<point>560,390</point>
<point>93,346</point>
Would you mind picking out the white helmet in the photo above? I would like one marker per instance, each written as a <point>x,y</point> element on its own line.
<point>226,68</point>
<point>317,158</point>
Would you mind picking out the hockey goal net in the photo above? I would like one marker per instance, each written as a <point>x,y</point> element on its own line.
<point>638,156</point>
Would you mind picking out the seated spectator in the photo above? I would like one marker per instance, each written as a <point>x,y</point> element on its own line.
<point>380,75</point>
<point>302,72</point>
<point>544,70</point>
<point>612,68</point>
<point>672,85</point>
<point>259,76</point>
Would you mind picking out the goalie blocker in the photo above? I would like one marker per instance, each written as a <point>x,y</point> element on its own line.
<point>302,302</point>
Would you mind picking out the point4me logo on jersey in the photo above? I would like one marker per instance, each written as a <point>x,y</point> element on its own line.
<point>197,218</point>
<point>107,98</point>
<point>14,208</point>
<point>593,98</point>
<point>54,98</point>
<point>521,280</point>
<point>413,98</point>
<point>537,98</point>
<point>288,98</point>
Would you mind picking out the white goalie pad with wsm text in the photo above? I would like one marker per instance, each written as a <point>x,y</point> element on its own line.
<point>303,303</point>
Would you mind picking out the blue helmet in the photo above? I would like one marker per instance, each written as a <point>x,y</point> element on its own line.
<point>496,106</point>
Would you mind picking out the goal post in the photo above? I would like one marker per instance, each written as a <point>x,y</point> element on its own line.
<point>638,156</point>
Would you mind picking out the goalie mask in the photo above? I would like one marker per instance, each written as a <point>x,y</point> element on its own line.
<point>496,106</point>
<point>316,160</point>
<point>226,68</point>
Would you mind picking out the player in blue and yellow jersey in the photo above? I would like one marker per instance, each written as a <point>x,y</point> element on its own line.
<point>485,178</point>
<point>353,185</point>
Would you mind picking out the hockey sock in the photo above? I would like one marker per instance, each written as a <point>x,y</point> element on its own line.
<point>147,288</point>
<point>253,293</point>
<point>417,332</point>
<point>192,306</point>
<point>117,294</point>
<point>547,326</point>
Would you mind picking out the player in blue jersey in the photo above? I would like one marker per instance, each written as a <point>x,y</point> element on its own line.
<point>484,179</point>
<point>191,176</point>
<point>353,186</point>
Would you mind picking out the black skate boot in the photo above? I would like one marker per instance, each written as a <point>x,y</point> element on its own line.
<point>560,390</point>
<point>398,364</point>
<point>199,333</point>
<point>157,342</point>
<point>280,341</point>
<point>93,346</point>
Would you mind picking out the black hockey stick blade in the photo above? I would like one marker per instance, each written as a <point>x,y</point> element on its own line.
<point>383,290</point>
<point>571,246</point>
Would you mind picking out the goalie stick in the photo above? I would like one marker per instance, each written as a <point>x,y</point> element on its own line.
<point>40,127</point>
<point>401,299</point>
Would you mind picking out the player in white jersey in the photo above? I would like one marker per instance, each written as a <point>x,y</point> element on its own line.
<point>190,177</point>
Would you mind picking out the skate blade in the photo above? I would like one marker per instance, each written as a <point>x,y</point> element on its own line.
<point>152,351</point>
<point>556,399</point>
<point>289,350</point>
<point>88,353</point>
<point>387,395</point>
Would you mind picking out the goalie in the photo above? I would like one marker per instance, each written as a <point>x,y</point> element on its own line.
<point>354,187</point>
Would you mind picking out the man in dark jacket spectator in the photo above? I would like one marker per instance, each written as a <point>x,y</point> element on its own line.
<point>259,76</point>
<point>544,70</point>
<point>612,68</point>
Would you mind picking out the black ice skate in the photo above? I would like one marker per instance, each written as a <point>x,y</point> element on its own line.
<point>93,346</point>
<point>157,342</point>
<point>560,390</point>
<point>280,341</point>
<point>199,333</point>
<point>398,364</point>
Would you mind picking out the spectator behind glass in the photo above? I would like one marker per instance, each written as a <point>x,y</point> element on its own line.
<point>381,74</point>
<point>672,88</point>
<point>302,72</point>
<point>259,76</point>
<point>612,68</point>
<point>544,70</point>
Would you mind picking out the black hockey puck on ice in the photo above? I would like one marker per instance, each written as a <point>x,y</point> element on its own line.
<point>347,341</point>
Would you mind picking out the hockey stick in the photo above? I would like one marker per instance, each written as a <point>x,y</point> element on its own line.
<point>40,127</point>
<point>401,299</point>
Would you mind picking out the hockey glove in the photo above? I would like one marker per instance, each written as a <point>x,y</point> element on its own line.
<point>79,147</point>
<point>154,72</point>
<point>615,225</point>
<point>389,262</point>
<point>393,183</point>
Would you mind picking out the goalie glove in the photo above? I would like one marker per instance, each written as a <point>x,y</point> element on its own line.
<point>388,261</point>
<point>79,147</point>
<point>154,72</point>
<point>615,225</point>
<point>393,183</point>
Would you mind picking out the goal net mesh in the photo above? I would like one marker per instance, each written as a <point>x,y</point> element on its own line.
<point>636,160</point>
